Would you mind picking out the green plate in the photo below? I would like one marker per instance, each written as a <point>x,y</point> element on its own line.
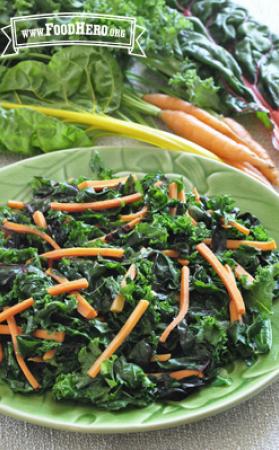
<point>210,178</point>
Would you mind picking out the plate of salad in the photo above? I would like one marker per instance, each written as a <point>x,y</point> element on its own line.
<point>138,289</point>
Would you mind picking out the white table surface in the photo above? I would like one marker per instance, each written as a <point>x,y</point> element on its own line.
<point>253,425</point>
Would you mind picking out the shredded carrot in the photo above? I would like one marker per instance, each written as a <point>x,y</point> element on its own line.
<point>196,194</point>
<point>241,228</point>
<point>171,253</point>
<point>37,359</point>
<point>183,262</point>
<point>129,217</point>
<point>57,336</point>
<point>159,183</point>
<point>49,355</point>
<point>233,291</point>
<point>1,353</point>
<point>118,340</point>
<point>240,271</point>
<point>26,229</point>
<point>181,196</point>
<point>97,206</point>
<point>234,314</point>
<point>161,358</point>
<point>14,333</point>
<point>14,204</point>
<point>193,221</point>
<point>84,251</point>
<point>183,304</point>
<point>16,309</point>
<point>99,185</point>
<point>84,308</point>
<point>118,303</point>
<point>180,374</point>
<point>260,245</point>
<point>173,196</point>
<point>68,286</point>
<point>40,220</point>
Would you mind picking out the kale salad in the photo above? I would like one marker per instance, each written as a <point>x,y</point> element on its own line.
<point>124,291</point>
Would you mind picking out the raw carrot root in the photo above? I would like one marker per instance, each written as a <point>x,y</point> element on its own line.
<point>183,306</point>
<point>118,303</point>
<point>28,375</point>
<point>14,204</point>
<point>118,340</point>
<point>68,286</point>
<point>26,229</point>
<point>108,252</point>
<point>250,170</point>
<point>175,104</point>
<point>40,220</point>
<point>16,309</point>
<point>233,291</point>
<point>240,271</point>
<point>161,358</point>
<point>99,185</point>
<point>173,196</point>
<point>97,206</point>
<point>140,214</point>
<point>193,129</point>
<point>245,137</point>
<point>84,308</point>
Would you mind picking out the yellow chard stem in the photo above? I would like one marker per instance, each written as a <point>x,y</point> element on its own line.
<point>159,138</point>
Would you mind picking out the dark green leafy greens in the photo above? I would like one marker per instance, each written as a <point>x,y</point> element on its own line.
<point>205,340</point>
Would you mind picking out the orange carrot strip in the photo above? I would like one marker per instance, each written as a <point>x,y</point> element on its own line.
<point>84,308</point>
<point>14,204</point>
<point>49,354</point>
<point>240,271</point>
<point>84,251</point>
<point>173,196</point>
<point>181,196</point>
<point>39,219</point>
<point>183,262</point>
<point>118,340</point>
<point>180,374</point>
<point>241,228</point>
<point>171,253</point>
<point>196,131</point>
<point>129,217</point>
<point>118,303</point>
<point>57,336</point>
<point>193,221</point>
<point>260,245</point>
<point>1,353</point>
<point>233,291</point>
<point>234,312</point>
<point>98,185</point>
<point>183,306</point>
<point>97,206</point>
<point>26,229</point>
<point>16,309</point>
<point>161,358</point>
<point>196,194</point>
<point>250,170</point>
<point>68,286</point>
<point>14,333</point>
<point>37,359</point>
<point>176,104</point>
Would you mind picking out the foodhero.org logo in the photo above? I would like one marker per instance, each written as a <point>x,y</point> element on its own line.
<point>44,30</point>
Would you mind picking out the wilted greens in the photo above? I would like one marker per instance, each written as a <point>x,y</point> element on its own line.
<point>205,341</point>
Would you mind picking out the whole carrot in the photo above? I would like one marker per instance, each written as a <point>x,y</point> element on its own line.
<point>193,129</point>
